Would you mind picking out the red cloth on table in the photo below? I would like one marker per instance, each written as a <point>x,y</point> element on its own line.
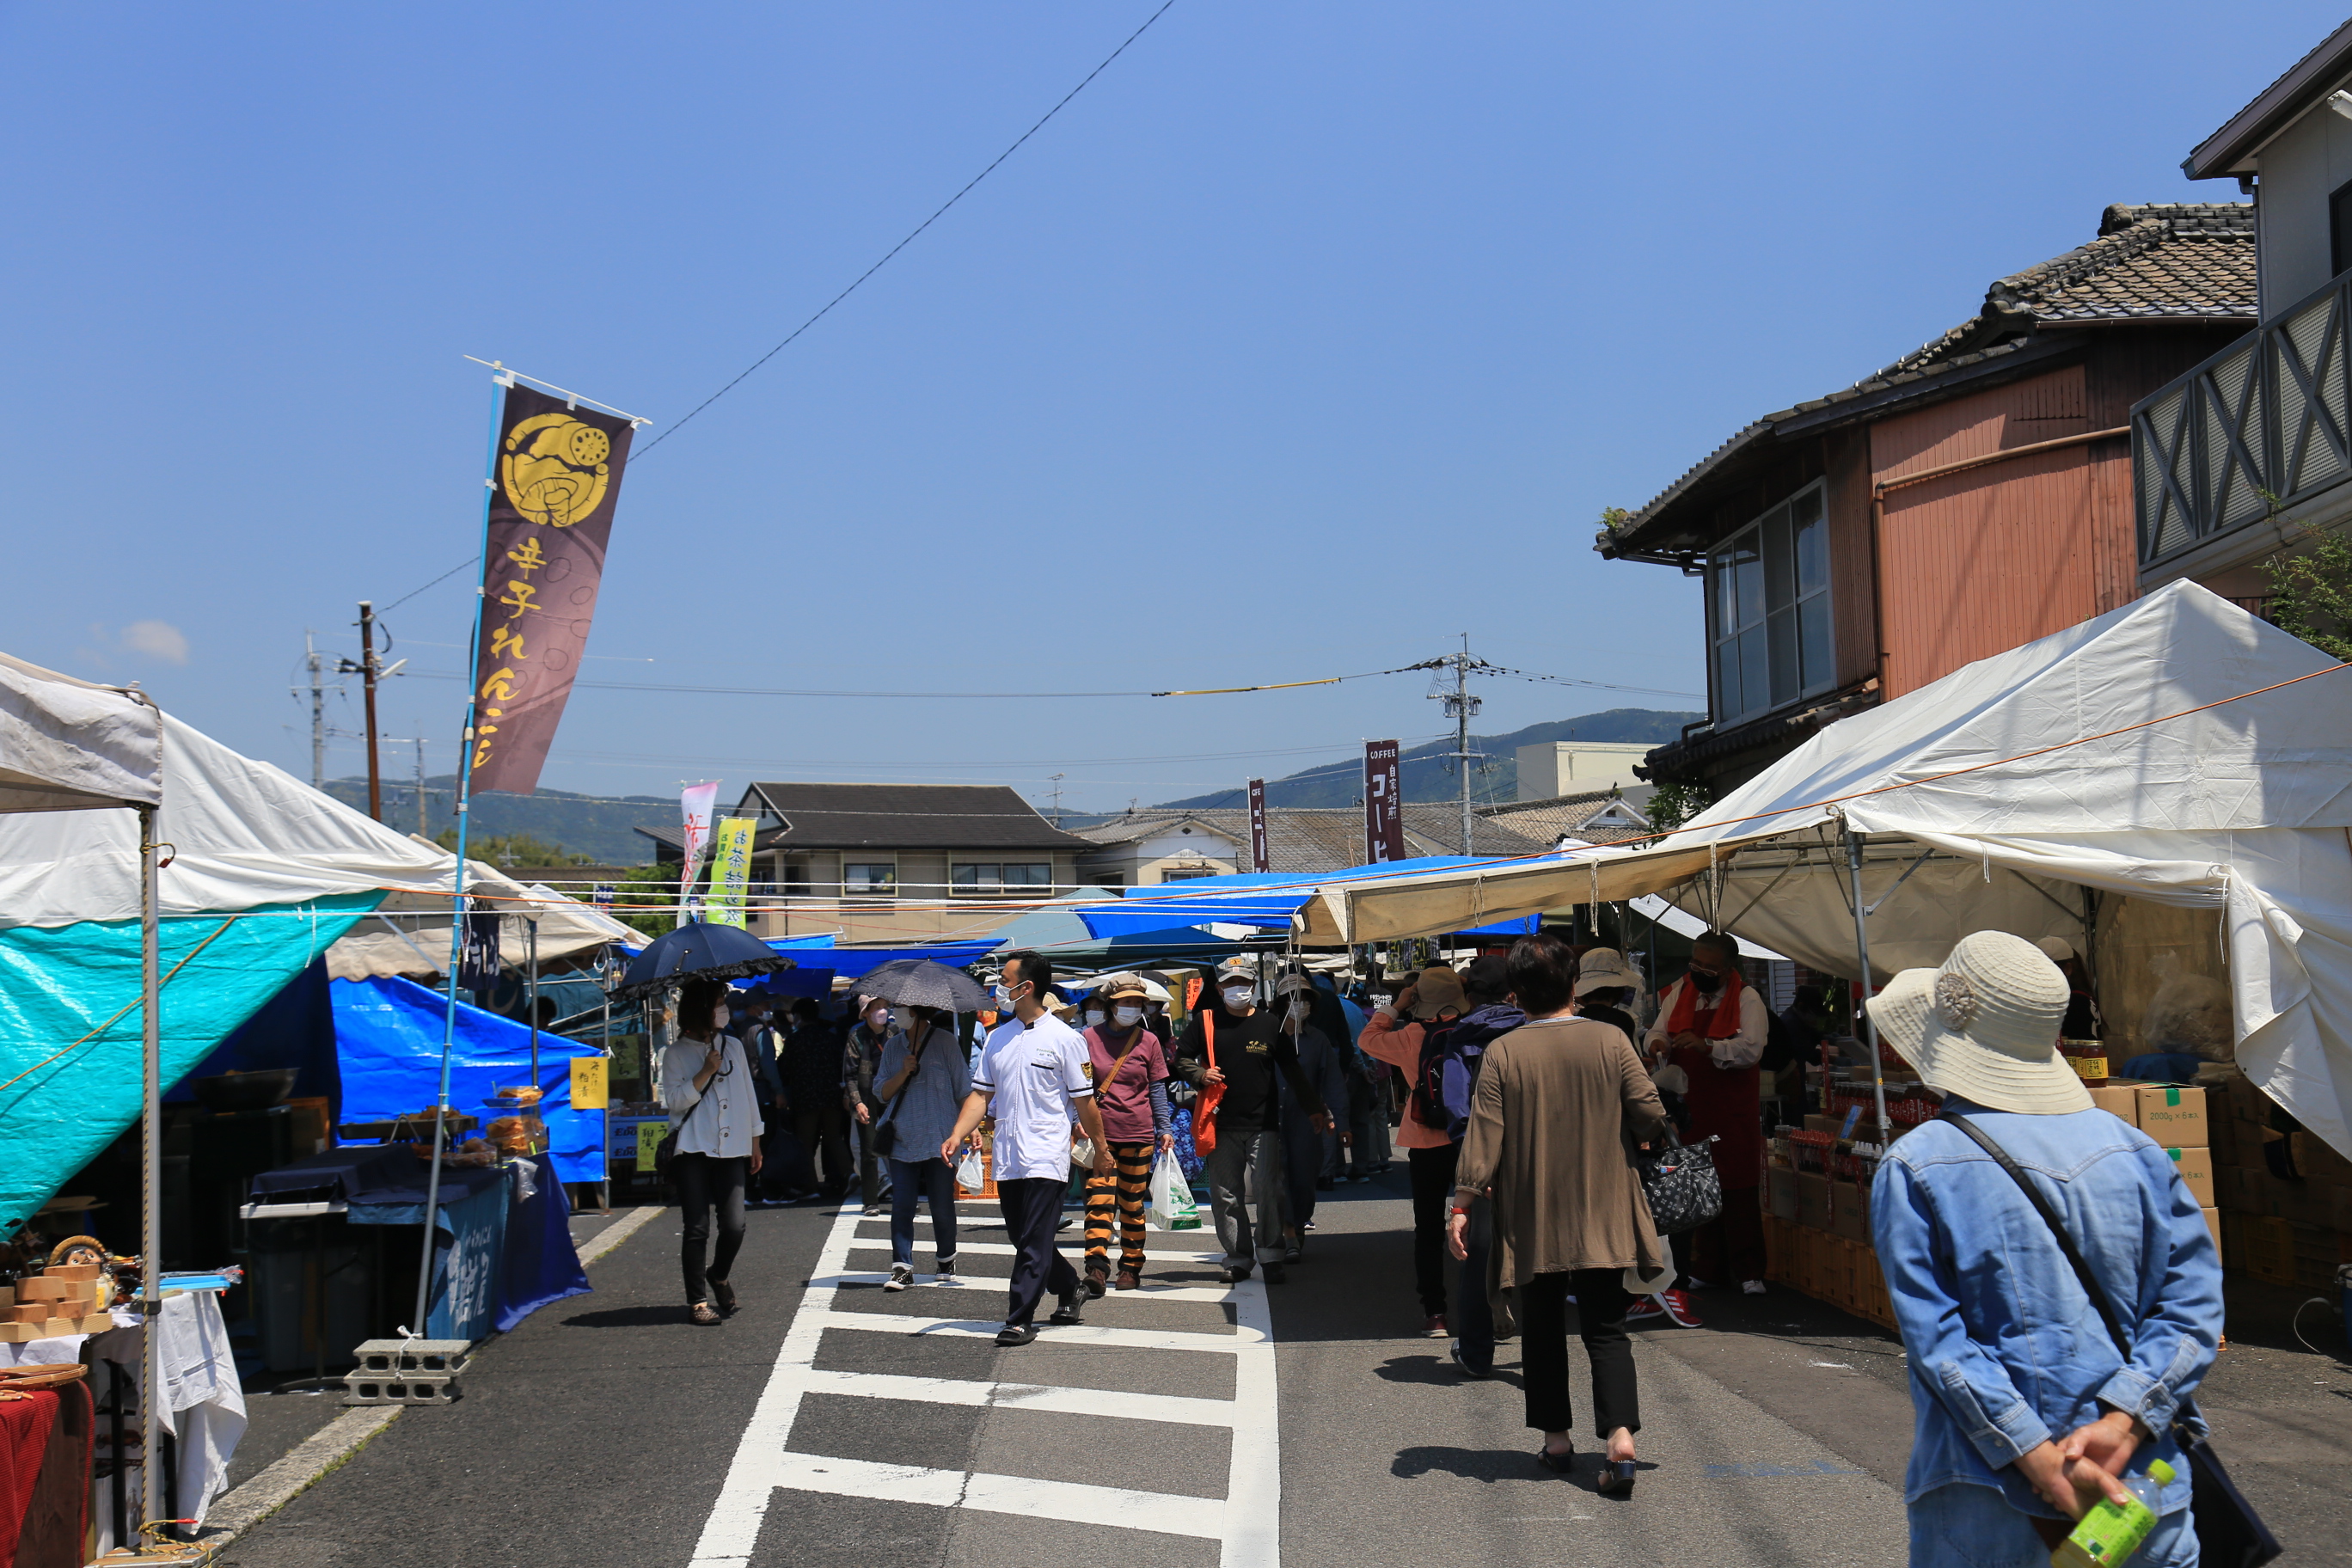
<point>57,1524</point>
<point>25,1428</point>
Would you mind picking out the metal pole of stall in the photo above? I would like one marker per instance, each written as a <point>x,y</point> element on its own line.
<point>1861,948</point>
<point>530,987</point>
<point>151,1182</point>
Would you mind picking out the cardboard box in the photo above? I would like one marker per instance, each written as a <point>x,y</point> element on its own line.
<point>2175,1118</point>
<point>1813,1201</point>
<point>2121,1099</point>
<point>1849,1211</point>
<point>2212,1223</point>
<point>1781,1195</point>
<point>2196,1168</point>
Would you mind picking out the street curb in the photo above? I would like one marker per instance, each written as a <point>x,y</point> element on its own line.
<point>235,1512</point>
<point>619,1231</point>
<point>238,1512</point>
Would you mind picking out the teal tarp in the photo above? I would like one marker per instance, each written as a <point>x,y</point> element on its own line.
<point>70,1025</point>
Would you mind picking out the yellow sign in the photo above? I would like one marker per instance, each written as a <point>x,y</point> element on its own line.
<point>730,870</point>
<point>649,1137</point>
<point>555,469</point>
<point>588,1084</point>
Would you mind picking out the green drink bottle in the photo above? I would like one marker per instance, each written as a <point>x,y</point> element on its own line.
<point>2108,1534</point>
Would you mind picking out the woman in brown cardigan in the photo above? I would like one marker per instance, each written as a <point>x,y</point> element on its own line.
<point>1560,1103</point>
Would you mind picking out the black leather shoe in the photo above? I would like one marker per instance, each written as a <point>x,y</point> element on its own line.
<point>1013,1334</point>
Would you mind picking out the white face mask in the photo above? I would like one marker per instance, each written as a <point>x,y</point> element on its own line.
<point>1240,996</point>
<point>1096,1017</point>
<point>1298,1008</point>
<point>723,1016</point>
<point>1003,997</point>
<point>879,1019</point>
<point>1129,1017</point>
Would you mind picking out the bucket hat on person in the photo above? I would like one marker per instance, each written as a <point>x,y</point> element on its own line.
<point>1114,986</point>
<point>1605,968</point>
<point>1437,989</point>
<point>1297,980</point>
<point>1985,1026</point>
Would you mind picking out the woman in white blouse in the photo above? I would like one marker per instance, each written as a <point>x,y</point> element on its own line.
<point>714,1109</point>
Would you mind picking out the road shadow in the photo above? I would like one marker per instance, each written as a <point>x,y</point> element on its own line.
<point>1438,1370</point>
<point>1500,1465</point>
<point>630,1318</point>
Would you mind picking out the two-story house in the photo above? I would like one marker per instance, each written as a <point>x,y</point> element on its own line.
<point>896,862</point>
<point>2246,453</point>
<point>1969,498</point>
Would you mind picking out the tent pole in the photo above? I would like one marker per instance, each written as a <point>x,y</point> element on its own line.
<point>531,990</point>
<point>1862,949</point>
<point>457,881</point>
<point>150,1181</point>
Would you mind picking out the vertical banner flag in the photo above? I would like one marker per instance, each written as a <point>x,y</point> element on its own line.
<point>730,870</point>
<point>558,478</point>
<point>1384,804</point>
<point>696,802</point>
<point>1258,856</point>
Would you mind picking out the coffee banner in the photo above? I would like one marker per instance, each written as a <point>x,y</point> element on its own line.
<point>558,480</point>
<point>1260,858</point>
<point>1383,808</point>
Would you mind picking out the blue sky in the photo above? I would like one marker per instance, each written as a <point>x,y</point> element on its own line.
<point>1306,339</point>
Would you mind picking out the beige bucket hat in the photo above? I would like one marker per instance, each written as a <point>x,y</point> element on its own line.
<point>1985,1026</point>
<point>1605,968</point>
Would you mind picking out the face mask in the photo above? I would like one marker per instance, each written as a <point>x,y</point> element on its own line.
<point>1129,1017</point>
<point>721,1017</point>
<point>1005,997</point>
<point>879,1019</point>
<point>1298,1008</point>
<point>1705,981</point>
<point>1239,996</point>
<point>1097,1018</point>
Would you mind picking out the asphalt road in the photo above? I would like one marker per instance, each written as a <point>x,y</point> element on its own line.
<point>830,1424</point>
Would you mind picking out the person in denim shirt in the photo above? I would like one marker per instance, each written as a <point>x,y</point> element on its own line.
<point>2026,1411</point>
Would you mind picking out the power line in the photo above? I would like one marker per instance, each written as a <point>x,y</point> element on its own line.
<point>436,582</point>
<point>911,236</point>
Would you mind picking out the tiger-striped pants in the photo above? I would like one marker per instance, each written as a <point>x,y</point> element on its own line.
<point>1130,1187</point>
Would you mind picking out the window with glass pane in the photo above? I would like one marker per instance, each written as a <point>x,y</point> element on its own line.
<point>1769,609</point>
<point>874,878</point>
<point>976,877</point>
<point>1036,874</point>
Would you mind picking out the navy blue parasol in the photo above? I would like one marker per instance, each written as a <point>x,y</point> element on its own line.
<point>697,951</point>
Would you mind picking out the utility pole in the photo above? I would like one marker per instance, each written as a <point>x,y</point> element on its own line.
<point>420,787</point>
<point>1461,707</point>
<point>1057,800</point>
<point>367,676</point>
<point>318,714</point>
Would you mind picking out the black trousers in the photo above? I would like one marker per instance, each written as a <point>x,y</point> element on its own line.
<point>1433,1195</point>
<point>1600,1303</point>
<point>1032,1208</point>
<point>705,1183</point>
<point>823,1133</point>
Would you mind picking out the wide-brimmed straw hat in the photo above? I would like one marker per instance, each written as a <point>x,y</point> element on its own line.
<point>1985,1026</point>
<point>1605,968</point>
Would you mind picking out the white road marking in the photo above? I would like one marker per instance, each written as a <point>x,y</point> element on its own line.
<point>1147,1292</point>
<point>1247,1522</point>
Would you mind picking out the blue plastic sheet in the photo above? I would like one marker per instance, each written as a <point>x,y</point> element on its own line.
<point>1265,899</point>
<point>388,1038</point>
<point>541,1263</point>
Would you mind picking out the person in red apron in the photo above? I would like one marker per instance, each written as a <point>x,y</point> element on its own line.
<point>1711,1028</point>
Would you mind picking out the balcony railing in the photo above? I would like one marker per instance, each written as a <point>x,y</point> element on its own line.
<point>2256,428</point>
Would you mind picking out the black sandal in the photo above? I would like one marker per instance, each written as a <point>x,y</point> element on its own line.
<point>1559,1463</point>
<point>1619,1482</point>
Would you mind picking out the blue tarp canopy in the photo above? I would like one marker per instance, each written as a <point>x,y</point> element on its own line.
<point>388,1039</point>
<point>1264,898</point>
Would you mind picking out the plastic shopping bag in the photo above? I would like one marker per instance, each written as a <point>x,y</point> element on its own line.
<point>1173,1207</point>
<point>969,1175</point>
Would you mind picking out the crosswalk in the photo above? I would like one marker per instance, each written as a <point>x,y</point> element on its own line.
<point>850,1342</point>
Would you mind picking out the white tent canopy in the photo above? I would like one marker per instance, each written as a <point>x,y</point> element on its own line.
<point>242,833</point>
<point>68,745</point>
<point>409,933</point>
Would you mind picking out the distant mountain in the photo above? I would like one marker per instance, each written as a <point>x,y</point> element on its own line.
<point>1428,771</point>
<point>592,824</point>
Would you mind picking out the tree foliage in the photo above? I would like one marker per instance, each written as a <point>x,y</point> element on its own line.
<point>1676,804</point>
<point>507,849</point>
<point>652,891</point>
<point>2311,593</point>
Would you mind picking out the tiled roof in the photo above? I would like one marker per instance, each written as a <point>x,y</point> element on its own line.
<point>2172,261</point>
<point>1569,813</point>
<point>903,816</point>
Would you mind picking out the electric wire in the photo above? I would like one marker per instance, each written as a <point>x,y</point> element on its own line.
<point>640,452</point>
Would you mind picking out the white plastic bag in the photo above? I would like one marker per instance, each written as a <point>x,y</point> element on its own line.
<point>969,1175</point>
<point>1173,1207</point>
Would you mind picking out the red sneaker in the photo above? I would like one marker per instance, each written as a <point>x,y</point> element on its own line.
<point>1672,1305</point>
<point>1435,1329</point>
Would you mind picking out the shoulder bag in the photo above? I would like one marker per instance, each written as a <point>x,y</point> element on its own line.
<point>2230,1533</point>
<point>1082,1153</point>
<point>1204,1104</point>
<point>1680,1184</point>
